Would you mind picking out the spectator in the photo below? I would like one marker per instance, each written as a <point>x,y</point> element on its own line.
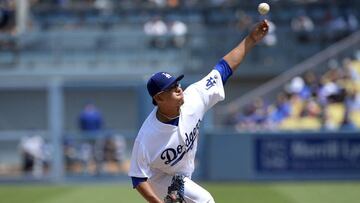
<point>8,40</point>
<point>303,26</point>
<point>281,109</point>
<point>105,6</point>
<point>7,19</point>
<point>335,24</point>
<point>351,70</point>
<point>70,155</point>
<point>156,29</point>
<point>352,21</point>
<point>158,3</point>
<point>114,148</point>
<point>312,83</point>
<point>86,155</point>
<point>299,87</point>
<point>173,3</point>
<point>347,123</point>
<point>90,119</point>
<point>178,31</point>
<point>254,116</point>
<point>246,121</point>
<point>34,155</point>
<point>338,26</point>
<point>311,116</point>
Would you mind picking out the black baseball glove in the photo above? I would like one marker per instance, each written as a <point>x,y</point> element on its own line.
<point>176,190</point>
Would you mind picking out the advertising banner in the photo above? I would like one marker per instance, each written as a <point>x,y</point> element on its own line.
<point>307,154</point>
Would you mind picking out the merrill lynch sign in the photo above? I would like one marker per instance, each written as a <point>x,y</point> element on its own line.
<point>307,154</point>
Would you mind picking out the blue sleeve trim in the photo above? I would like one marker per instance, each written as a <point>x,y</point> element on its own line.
<point>136,181</point>
<point>224,70</point>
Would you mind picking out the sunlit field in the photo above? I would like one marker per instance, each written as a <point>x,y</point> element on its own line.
<point>284,192</point>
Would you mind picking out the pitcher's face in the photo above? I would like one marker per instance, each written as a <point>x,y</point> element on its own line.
<point>172,96</point>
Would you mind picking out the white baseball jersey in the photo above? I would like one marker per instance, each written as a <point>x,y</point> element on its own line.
<point>165,150</point>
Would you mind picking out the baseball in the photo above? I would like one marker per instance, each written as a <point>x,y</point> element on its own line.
<point>263,8</point>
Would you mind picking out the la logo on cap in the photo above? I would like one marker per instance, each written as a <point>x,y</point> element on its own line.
<point>167,75</point>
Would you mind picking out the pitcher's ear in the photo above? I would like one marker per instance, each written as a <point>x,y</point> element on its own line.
<point>158,98</point>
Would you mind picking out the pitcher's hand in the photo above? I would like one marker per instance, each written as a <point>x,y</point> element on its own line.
<point>259,31</point>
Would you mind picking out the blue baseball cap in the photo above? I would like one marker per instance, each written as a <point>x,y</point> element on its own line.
<point>161,81</point>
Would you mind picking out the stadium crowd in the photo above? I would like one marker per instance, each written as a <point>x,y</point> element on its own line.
<point>328,101</point>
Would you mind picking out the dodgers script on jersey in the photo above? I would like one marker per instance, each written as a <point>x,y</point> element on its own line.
<point>165,150</point>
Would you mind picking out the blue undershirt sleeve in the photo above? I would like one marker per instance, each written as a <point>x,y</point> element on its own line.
<point>224,70</point>
<point>136,181</point>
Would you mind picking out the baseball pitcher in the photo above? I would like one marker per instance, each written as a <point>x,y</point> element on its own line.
<point>164,151</point>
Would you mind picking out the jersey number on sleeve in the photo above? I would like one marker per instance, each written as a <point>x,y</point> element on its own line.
<point>210,83</point>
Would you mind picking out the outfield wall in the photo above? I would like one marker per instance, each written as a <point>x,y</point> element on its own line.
<point>281,156</point>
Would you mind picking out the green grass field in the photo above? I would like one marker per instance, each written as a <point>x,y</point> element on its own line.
<point>285,192</point>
